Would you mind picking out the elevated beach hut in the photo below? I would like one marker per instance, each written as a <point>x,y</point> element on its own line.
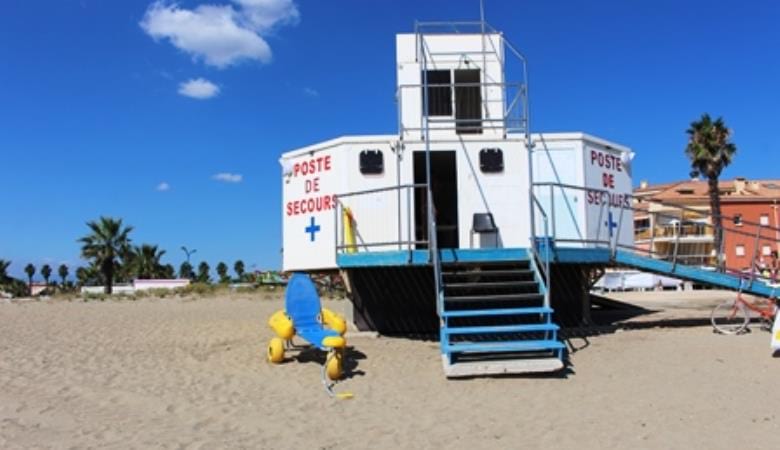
<point>445,226</point>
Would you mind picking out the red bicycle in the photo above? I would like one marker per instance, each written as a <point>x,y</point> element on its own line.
<point>733,316</point>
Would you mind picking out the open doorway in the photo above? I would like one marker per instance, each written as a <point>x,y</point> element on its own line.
<point>444,186</point>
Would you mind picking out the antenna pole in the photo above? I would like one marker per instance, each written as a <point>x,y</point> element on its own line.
<point>482,15</point>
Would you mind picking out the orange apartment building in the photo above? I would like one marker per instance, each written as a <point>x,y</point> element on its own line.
<point>674,219</point>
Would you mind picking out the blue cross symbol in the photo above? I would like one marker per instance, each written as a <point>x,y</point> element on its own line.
<point>610,224</point>
<point>312,229</point>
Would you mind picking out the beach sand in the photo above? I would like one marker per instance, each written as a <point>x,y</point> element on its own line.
<point>191,373</point>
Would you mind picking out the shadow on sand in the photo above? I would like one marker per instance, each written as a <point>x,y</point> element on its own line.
<point>352,358</point>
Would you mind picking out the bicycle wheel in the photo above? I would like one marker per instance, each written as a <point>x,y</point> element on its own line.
<point>729,317</point>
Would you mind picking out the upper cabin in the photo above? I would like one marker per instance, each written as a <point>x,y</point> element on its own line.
<point>472,85</point>
<point>459,80</point>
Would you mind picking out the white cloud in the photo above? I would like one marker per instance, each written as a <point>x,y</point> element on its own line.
<point>163,187</point>
<point>198,88</point>
<point>266,14</point>
<point>311,92</point>
<point>228,177</point>
<point>220,35</point>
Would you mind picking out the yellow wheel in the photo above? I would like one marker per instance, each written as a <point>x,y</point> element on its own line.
<point>276,350</point>
<point>334,368</point>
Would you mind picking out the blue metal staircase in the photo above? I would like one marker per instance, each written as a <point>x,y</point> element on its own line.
<point>494,320</point>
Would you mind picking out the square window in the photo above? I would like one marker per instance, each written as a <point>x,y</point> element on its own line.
<point>491,160</point>
<point>766,250</point>
<point>439,84</point>
<point>764,220</point>
<point>738,220</point>
<point>740,250</point>
<point>371,162</point>
<point>468,101</point>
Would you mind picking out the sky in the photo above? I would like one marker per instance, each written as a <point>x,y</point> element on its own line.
<point>173,116</point>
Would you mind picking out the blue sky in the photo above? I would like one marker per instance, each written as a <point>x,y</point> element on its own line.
<point>94,120</point>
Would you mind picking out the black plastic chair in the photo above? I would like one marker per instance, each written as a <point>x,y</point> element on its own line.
<point>483,223</point>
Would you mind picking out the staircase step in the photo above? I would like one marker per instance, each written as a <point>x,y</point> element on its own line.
<point>503,273</point>
<point>491,284</point>
<point>507,346</point>
<point>497,312</point>
<point>502,329</point>
<point>494,297</point>
<point>517,366</point>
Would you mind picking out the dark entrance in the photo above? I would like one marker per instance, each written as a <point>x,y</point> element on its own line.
<point>444,185</point>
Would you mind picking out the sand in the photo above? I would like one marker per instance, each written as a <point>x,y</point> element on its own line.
<point>183,373</point>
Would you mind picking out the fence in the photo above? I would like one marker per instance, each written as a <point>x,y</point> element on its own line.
<point>675,233</point>
<point>367,214</point>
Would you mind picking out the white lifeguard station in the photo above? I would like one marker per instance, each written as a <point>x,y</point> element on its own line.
<point>444,226</point>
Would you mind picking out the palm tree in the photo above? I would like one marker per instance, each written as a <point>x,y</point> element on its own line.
<point>710,150</point>
<point>168,272</point>
<point>29,269</point>
<point>222,270</point>
<point>87,275</point>
<point>203,272</point>
<point>46,273</point>
<point>62,271</point>
<point>107,241</point>
<point>10,285</point>
<point>185,271</point>
<point>146,262</point>
<point>238,267</point>
<point>4,270</point>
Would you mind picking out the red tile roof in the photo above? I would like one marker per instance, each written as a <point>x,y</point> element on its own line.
<point>697,191</point>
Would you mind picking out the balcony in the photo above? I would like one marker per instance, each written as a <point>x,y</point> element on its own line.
<point>688,232</point>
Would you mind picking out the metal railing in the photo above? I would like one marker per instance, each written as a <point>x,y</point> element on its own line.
<point>678,225</point>
<point>399,234</point>
<point>500,106</point>
<point>545,278</point>
<point>516,111</point>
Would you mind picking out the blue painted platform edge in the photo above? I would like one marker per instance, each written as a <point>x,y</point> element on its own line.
<point>421,257</point>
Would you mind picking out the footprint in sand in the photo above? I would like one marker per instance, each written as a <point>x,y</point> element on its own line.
<point>202,424</point>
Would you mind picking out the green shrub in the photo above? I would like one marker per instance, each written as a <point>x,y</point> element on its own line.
<point>157,292</point>
<point>197,288</point>
<point>93,296</point>
<point>246,289</point>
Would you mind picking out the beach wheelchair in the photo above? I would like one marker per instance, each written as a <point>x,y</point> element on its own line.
<point>304,316</point>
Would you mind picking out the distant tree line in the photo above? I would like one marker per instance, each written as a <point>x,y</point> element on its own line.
<point>114,259</point>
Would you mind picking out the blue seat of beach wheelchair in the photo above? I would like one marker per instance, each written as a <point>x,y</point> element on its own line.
<point>302,304</point>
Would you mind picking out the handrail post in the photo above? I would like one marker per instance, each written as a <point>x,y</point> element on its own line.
<point>433,246</point>
<point>398,193</point>
<point>409,221</point>
<point>755,253</point>
<point>552,209</point>
<point>676,245</point>
<point>617,235</point>
<point>532,197</point>
<point>336,230</point>
<point>548,242</point>
<point>653,220</point>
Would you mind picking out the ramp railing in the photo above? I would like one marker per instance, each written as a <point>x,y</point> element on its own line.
<point>585,217</point>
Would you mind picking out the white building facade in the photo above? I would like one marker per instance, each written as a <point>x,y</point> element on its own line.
<point>458,111</point>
